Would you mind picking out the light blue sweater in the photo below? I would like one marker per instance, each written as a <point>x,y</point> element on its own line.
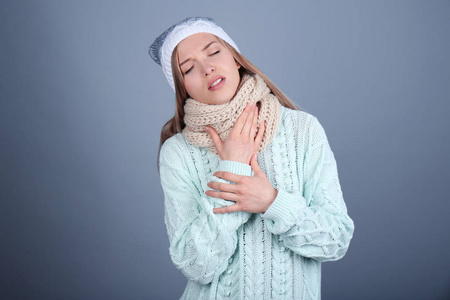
<point>275,255</point>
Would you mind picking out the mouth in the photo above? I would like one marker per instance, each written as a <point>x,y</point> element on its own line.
<point>216,83</point>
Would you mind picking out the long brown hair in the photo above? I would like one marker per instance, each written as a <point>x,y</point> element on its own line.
<point>176,124</point>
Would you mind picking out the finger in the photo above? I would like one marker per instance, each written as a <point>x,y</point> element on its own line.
<point>254,164</point>
<point>254,123</point>
<point>222,195</point>
<point>223,187</point>
<point>215,138</point>
<point>260,135</point>
<point>242,118</point>
<point>248,122</point>
<point>228,176</point>
<point>227,209</point>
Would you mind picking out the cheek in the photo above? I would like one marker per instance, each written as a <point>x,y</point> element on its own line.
<point>191,86</point>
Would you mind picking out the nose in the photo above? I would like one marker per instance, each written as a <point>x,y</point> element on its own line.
<point>207,69</point>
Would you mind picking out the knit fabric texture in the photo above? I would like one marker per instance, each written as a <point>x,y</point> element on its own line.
<point>222,117</point>
<point>161,49</point>
<point>241,255</point>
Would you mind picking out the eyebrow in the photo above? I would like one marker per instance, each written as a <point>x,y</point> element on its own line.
<point>206,47</point>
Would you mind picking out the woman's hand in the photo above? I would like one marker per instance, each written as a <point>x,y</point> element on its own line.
<point>242,141</point>
<point>251,193</point>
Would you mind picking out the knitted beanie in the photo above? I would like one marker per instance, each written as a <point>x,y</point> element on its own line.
<point>162,48</point>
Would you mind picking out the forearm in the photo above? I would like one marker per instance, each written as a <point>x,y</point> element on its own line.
<point>200,247</point>
<point>313,220</point>
<point>201,242</point>
<point>322,233</point>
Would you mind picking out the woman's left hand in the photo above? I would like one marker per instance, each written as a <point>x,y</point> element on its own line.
<point>251,193</point>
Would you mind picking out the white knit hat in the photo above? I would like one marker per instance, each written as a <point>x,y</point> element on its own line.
<point>162,48</point>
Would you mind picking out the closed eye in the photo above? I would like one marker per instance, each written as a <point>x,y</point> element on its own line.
<point>187,71</point>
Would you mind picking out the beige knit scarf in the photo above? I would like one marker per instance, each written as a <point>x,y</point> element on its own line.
<point>222,117</point>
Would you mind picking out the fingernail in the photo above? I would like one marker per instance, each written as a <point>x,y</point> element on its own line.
<point>207,129</point>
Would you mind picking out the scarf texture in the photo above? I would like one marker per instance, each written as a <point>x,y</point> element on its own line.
<point>222,117</point>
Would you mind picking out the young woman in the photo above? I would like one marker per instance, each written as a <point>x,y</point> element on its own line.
<point>253,202</point>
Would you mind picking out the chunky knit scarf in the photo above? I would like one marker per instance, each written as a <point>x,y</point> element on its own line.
<point>222,117</point>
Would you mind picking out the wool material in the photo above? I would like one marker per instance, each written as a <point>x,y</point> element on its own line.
<point>253,256</point>
<point>162,48</point>
<point>222,117</point>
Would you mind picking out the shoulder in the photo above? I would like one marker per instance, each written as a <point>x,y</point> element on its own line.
<point>174,141</point>
<point>304,124</point>
<point>174,149</point>
<point>296,115</point>
<point>299,120</point>
<point>181,160</point>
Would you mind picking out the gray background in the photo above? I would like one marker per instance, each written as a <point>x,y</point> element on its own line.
<point>82,105</point>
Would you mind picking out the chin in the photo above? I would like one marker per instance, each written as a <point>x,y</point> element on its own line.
<point>225,100</point>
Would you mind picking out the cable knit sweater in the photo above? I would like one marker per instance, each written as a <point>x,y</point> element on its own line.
<point>240,255</point>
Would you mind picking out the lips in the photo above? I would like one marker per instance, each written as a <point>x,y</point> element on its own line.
<point>215,82</point>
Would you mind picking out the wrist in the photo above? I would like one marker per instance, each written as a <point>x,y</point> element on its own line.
<point>234,167</point>
<point>237,159</point>
<point>274,195</point>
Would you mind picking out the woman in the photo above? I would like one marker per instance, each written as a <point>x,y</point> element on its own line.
<point>253,203</point>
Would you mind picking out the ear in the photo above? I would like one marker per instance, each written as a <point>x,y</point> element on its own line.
<point>238,65</point>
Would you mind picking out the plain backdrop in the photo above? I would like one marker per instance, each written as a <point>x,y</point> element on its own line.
<point>82,105</point>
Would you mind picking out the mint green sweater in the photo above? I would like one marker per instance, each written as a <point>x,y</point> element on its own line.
<point>240,255</point>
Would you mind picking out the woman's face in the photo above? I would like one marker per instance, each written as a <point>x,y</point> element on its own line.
<point>211,75</point>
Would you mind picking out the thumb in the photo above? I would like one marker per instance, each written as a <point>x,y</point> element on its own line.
<point>254,164</point>
<point>215,138</point>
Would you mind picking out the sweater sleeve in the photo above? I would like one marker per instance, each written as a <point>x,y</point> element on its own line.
<point>314,223</point>
<point>201,242</point>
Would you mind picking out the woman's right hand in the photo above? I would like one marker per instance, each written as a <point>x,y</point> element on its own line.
<point>243,141</point>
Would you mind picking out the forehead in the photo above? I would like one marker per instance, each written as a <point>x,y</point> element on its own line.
<point>195,42</point>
